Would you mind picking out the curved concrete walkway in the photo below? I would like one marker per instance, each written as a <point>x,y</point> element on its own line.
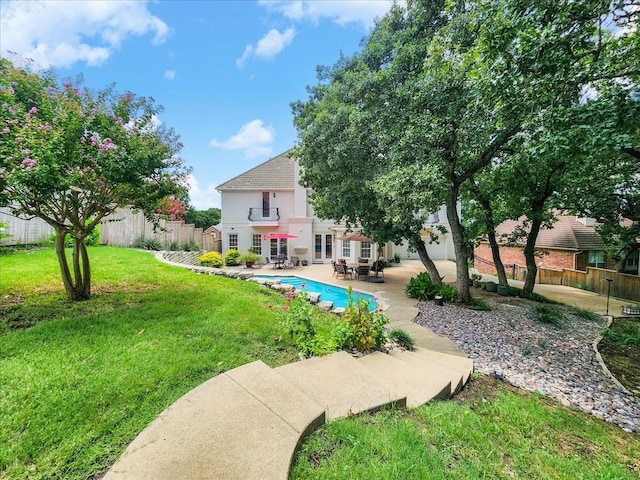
<point>247,423</point>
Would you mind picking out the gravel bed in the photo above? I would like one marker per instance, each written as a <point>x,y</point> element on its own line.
<point>561,363</point>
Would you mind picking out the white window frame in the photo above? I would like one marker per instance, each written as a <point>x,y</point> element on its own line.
<point>365,249</point>
<point>256,243</point>
<point>346,248</point>
<point>233,241</point>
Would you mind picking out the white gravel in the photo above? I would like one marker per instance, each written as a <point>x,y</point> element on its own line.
<point>561,363</point>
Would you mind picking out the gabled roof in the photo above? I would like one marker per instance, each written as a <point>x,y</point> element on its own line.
<point>568,233</point>
<point>276,173</point>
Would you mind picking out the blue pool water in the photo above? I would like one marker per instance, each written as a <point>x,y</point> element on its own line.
<point>328,293</point>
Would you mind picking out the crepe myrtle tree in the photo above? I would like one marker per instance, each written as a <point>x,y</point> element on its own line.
<point>71,156</point>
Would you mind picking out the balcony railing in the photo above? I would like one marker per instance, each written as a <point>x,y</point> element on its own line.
<point>260,214</point>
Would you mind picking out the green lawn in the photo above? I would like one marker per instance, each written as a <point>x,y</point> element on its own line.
<point>488,431</point>
<point>84,378</point>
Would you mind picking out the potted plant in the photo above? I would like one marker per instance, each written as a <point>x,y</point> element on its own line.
<point>475,279</point>
<point>304,262</point>
<point>396,257</point>
<point>250,258</point>
<point>492,287</point>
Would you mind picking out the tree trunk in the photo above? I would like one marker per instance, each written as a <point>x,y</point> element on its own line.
<point>529,255</point>
<point>495,254</point>
<point>426,260</point>
<point>462,256</point>
<point>78,285</point>
<point>491,232</point>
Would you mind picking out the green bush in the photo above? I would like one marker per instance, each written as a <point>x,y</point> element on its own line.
<point>627,334</point>
<point>298,318</point>
<point>367,326</point>
<point>549,314</point>
<point>402,338</point>
<point>250,257</point>
<point>232,257</point>
<point>191,247</point>
<point>422,288</point>
<point>447,292</point>
<point>147,244</point>
<point>343,336</point>
<point>211,259</point>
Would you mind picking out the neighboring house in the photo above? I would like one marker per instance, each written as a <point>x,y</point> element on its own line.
<point>269,199</point>
<point>216,235</point>
<point>571,244</point>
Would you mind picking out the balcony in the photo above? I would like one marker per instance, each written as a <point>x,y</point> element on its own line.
<point>267,217</point>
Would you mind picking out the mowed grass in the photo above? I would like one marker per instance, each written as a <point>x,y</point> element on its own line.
<point>489,431</point>
<point>79,380</point>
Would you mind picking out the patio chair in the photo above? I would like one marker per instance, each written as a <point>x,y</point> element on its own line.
<point>363,271</point>
<point>378,268</point>
<point>294,262</point>
<point>344,270</point>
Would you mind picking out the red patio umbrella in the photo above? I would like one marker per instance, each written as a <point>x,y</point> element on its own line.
<point>269,236</point>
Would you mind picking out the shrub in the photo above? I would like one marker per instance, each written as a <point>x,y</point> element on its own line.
<point>250,257</point>
<point>447,292</point>
<point>298,319</point>
<point>343,336</point>
<point>211,259</point>
<point>147,244</point>
<point>232,257</point>
<point>402,338</point>
<point>477,304</point>
<point>626,334</point>
<point>367,326</point>
<point>422,288</point>
<point>549,314</point>
<point>93,239</point>
<point>190,247</point>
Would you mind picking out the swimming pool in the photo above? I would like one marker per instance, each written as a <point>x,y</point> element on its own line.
<point>328,293</point>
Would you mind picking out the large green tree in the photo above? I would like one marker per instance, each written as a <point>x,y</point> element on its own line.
<point>447,90</point>
<point>70,156</point>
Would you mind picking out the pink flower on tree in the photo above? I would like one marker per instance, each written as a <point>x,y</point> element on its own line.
<point>28,163</point>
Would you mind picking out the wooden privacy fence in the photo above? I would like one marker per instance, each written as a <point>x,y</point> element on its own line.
<point>123,228</point>
<point>130,227</point>
<point>595,280</point>
<point>23,232</point>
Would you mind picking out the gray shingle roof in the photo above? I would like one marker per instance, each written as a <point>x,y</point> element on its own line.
<point>567,234</point>
<point>276,173</point>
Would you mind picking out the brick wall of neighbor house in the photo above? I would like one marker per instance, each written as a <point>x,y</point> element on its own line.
<point>553,259</point>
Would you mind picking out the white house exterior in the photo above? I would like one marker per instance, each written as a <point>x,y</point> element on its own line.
<point>269,199</point>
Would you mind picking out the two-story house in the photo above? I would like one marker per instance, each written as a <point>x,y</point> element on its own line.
<point>269,199</point>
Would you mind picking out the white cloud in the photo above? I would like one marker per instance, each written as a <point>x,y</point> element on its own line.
<point>203,198</point>
<point>254,138</point>
<point>268,46</point>
<point>61,33</point>
<point>170,74</point>
<point>341,12</point>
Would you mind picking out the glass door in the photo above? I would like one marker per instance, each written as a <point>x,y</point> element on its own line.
<point>322,247</point>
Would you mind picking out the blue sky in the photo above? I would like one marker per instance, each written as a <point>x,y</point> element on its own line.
<point>225,71</point>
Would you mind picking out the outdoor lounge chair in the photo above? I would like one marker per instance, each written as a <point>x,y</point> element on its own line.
<point>363,271</point>
<point>378,268</point>
<point>344,270</point>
